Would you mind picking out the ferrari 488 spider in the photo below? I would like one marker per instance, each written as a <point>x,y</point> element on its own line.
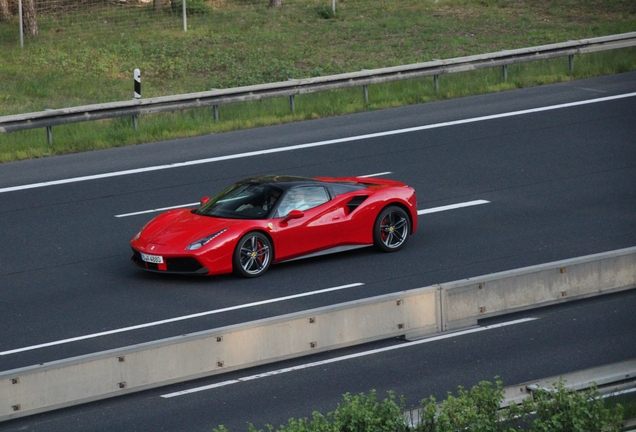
<point>260,221</point>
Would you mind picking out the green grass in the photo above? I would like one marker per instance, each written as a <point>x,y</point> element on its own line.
<point>237,43</point>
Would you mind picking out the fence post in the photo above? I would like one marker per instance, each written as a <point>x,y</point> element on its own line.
<point>185,16</point>
<point>136,92</point>
<point>21,26</point>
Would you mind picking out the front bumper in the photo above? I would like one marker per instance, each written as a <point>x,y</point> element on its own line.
<point>179,265</point>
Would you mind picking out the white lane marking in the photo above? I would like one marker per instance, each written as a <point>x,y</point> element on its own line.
<point>419,212</point>
<point>157,210</point>
<point>347,357</point>
<point>452,207</point>
<point>181,318</point>
<point>314,144</point>
<point>376,174</point>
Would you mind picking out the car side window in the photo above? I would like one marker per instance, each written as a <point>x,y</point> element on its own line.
<point>302,198</point>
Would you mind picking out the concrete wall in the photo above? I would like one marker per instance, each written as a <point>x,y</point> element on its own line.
<point>414,313</point>
<point>464,302</point>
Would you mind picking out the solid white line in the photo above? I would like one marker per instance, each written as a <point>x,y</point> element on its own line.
<point>347,357</point>
<point>181,318</point>
<point>157,210</point>
<point>314,144</point>
<point>452,207</point>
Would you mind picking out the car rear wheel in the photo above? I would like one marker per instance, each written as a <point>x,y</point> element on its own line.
<point>253,255</point>
<point>391,229</point>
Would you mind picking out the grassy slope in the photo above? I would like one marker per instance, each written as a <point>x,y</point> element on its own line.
<point>239,43</point>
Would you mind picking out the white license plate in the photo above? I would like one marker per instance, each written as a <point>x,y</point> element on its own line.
<point>156,259</point>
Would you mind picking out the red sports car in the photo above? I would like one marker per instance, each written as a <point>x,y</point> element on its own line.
<point>265,220</point>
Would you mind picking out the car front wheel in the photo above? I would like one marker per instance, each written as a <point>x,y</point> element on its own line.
<point>253,255</point>
<point>391,229</point>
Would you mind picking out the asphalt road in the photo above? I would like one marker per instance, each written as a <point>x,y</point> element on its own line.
<point>561,183</point>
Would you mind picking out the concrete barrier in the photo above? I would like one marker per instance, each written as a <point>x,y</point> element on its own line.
<point>64,383</point>
<point>465,302</point>
<point>414,313</point>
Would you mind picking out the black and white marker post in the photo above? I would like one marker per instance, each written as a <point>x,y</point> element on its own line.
<point>137,92</point>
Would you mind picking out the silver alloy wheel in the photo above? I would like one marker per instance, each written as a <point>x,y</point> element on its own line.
<point>391,229</point>
<point>254,254</point>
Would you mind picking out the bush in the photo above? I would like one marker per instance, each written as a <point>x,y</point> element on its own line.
<point>567,410</point>
<point>475,410</point>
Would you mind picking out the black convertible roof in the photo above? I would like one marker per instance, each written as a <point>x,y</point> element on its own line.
<point>287,182</point>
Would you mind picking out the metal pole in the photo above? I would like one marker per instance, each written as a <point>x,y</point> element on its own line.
<point>185,17</point>
<point>333,6</point>
<point>21,27</point>
<point>49,130</point>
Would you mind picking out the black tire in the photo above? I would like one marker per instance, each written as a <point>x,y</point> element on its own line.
<point>252,255</point>
<point>391,229</point>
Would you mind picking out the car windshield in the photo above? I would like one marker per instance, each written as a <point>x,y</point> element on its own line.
<point>242,201</point>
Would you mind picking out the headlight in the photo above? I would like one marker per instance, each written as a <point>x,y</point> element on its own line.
<point>139,233</point>
<point>200,243</point>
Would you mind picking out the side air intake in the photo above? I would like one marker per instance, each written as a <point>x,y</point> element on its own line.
<point>355,202</point>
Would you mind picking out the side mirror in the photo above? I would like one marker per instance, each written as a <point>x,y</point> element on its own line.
<point>294,214</point>
<point>204,200</point>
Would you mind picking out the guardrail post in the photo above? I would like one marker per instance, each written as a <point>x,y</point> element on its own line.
<point>571,63</point>
<point>365,93</point>
<point>436,82</point>
<point>49,131</point>
<point>504,72</point>
<point>215,109</point>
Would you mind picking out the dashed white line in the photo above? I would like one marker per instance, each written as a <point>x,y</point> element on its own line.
<point>452,207</point>
<point>376,174</point>
<point>157,210</point>
<point>181,318</point>
<point>314,144</point>
<point>343,358</point>
<point>419,212</point>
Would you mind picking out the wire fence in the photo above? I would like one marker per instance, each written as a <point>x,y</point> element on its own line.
<point>73,18</point>
<point>41,18</point>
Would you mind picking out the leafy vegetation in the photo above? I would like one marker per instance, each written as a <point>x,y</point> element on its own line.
<point>477,410</point>
<point>85,58</point>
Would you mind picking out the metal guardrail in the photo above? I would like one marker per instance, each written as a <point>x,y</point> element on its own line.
<point>56,117</point>
<point>609,380</point>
